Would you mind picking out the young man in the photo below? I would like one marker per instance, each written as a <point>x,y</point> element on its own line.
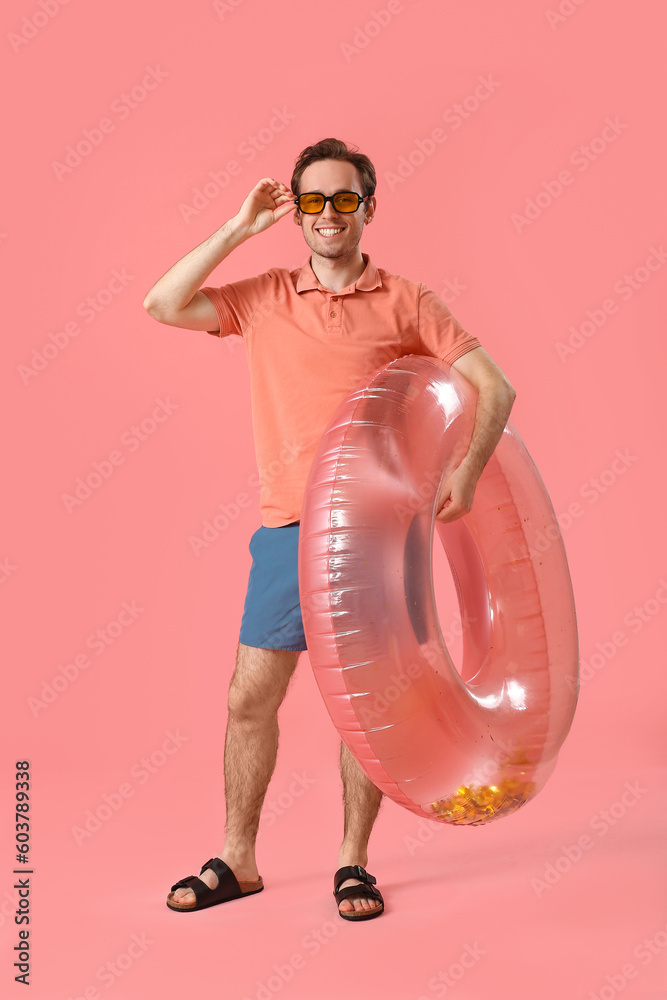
<point>312,335</point>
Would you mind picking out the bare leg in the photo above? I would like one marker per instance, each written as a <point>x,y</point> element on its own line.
<point>362,802</point>
<point>256,691</point>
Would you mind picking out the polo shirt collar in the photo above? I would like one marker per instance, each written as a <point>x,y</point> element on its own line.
<point>366,282</point>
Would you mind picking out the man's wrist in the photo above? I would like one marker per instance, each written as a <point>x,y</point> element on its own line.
<point>471,465</point>
<point>236,230</point>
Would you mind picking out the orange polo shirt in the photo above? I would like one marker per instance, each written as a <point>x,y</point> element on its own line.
<point>309,347</point>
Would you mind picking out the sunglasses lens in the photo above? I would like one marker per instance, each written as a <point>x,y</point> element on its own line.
<point>346,201</point>
<point>311,203</point>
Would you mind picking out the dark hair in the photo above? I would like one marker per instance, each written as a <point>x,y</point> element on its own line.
<point>335,149</point>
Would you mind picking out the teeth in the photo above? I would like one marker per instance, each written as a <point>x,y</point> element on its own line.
<point>330,232</point>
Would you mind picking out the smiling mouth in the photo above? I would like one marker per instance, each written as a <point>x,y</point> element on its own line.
<point>329,232</point>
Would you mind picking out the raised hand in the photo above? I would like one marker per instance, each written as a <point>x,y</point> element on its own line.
<point>268,202</point>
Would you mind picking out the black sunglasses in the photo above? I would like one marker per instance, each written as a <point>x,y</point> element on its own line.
<point>343,201</point>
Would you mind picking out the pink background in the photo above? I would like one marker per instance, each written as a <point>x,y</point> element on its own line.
<point>541,915</point>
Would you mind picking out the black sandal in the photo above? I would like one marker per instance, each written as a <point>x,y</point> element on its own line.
<point>228,887</point>
<point>368,889</point>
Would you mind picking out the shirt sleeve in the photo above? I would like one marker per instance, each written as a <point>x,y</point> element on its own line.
<point>237,302</point>
<point>439,333</point>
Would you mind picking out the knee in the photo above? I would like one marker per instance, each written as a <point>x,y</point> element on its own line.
<point>250,704</point>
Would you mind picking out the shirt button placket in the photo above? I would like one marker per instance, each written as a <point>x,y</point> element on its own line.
<point>333,321</point>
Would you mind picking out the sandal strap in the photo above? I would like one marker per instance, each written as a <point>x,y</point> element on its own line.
<point>352,871</point>
<point>193,882</point>
<point>227,887</point>
<point>227,881</point>
<point>183,883</point>
<point>368,891</point>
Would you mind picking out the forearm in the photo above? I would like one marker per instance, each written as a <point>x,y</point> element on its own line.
<point>494,403</point>
<point>175,289</point>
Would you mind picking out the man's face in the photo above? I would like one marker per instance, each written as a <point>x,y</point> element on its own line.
<point>327,177</point>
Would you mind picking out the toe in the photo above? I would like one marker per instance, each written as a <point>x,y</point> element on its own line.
<point>183,896</point>
<point>358,903</point>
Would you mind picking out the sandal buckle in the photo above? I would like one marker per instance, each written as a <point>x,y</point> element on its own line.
<point>363,874</point>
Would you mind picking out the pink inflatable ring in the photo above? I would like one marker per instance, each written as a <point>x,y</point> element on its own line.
<point>460,748</point>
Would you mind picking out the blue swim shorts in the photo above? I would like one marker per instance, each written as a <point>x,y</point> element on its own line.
<point>272,611</point>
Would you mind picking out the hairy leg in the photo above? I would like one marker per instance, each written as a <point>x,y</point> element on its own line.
<point>256,691</point>
<point>362,800</point>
